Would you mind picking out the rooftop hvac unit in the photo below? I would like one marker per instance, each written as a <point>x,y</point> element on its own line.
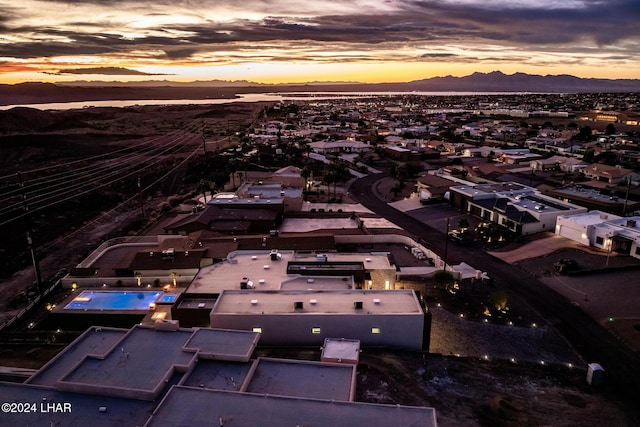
<point>357,305</point>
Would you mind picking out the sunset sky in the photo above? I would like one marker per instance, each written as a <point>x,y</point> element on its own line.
<point>271,41</point>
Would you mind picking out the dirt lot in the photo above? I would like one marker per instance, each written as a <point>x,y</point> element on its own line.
<point>33,140</point>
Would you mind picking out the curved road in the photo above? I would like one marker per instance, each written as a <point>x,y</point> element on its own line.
<point>591,340</point>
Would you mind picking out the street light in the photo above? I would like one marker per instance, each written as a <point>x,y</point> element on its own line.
<point>608,244</point>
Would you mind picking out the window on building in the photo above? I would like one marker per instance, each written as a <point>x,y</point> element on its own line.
<point>315,330</point>
<point>258,330</point>
<point>600,241</point>
<point>637,250</point>
<point>375,330</point>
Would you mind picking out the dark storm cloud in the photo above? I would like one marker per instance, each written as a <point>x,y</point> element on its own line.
<point>439,55</point>
<point>605,22</point>
<point>110,71</point>
<point>409,23</point>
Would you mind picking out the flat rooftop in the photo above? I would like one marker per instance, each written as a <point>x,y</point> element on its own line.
<point>116,362</point>
<point>503,188</point>
<point>250,264</point>
<point>218,375</point>
<point>345,207</point>
<point>546,204</point>
<point>299,225</point>
<point>592,217</point>
<point>95,341</point>
<point>317,302</point>
<point>247,201</point>
<point>282,377</point>
<point>269,190</point>
<point>336,283</point>
<point>135,364</point>
<point>588,193</point>
<point>341,350</point>
<point>85,409</point>
<point>266,274</point>
<point>222,344</point>
<point>193,406</point>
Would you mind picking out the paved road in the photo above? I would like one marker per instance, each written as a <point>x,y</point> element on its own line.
<point>593,342</point>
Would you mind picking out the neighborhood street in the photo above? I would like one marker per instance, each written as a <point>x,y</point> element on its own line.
<point>591,340</point>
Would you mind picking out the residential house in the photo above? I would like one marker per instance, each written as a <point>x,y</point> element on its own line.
<point>605,231</point>
<point>517,207</point>
<point>609,174</point>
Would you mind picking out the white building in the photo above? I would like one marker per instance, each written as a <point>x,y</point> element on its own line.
<point>325,147</point>
<point>517,207</point>
<point>306,318</point>
<point>602,230</point>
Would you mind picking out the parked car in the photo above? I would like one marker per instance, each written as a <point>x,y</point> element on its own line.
<point>456,236</point>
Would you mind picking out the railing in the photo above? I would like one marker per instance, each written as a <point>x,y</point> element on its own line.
<point>114,242</point>
<point>29,306</point>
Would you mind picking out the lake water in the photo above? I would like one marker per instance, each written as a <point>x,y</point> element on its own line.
<point>246,97</point>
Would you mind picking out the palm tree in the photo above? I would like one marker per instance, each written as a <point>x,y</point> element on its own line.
<point>305,173</point>
<point>203,186</point>
<point>232,167</point>
<point>337,172</point>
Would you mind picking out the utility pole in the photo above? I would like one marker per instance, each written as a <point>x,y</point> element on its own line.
<point>446,245</point>
<point>626,197</point>
<point>32,248</point>
<point>204,144</point>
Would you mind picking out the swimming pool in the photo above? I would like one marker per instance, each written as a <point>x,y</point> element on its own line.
<point>114,300</point>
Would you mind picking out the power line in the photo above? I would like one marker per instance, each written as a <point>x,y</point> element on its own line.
<point>124,203</point>
<point>97,156</point>
<point>94,178</point>
<point>60,191</point>
<point>66,172</point>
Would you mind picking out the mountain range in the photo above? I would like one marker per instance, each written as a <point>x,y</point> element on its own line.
<point>33,93</point>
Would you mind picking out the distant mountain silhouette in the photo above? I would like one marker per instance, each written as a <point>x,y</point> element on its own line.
<point>521,82</point>
<point>33,93</point>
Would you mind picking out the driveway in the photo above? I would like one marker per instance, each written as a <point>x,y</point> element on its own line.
<point>536,248</point>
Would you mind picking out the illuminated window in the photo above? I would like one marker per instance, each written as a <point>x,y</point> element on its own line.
<point>258,330</point>
<point>315,330</point>
<point>375,330</point>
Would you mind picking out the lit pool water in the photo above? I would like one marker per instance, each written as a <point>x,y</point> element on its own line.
<point>114,300</point>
